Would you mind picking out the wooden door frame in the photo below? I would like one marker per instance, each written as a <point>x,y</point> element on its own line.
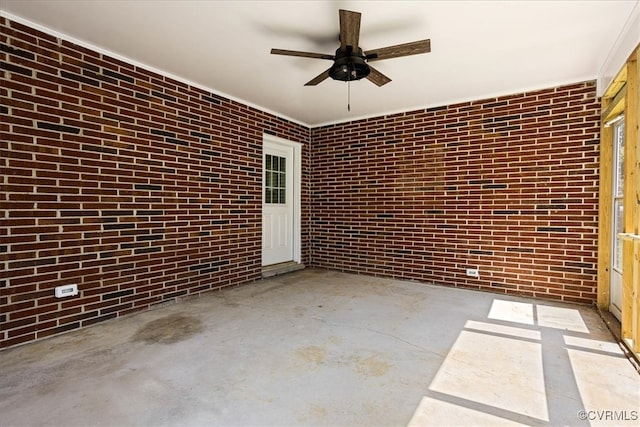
<point>622,96</point>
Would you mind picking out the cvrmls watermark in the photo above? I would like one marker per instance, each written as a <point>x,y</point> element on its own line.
<point>606,415</point>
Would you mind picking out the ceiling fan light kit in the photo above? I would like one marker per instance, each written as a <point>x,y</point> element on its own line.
<point>348,67</point>
<point>349,61</point>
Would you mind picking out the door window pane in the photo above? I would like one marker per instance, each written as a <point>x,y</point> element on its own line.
<point>618,221</point>
<point>619,147</point>
<point>275,179</point>
<point>618,193</point>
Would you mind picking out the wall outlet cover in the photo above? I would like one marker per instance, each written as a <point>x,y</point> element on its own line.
<point>473,272</point>
<point>66,291</point>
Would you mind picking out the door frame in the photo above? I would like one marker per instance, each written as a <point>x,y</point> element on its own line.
<point>621,96</point>
<point>269,140</point>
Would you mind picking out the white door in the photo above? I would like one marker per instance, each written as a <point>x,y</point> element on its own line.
<point>617,223</point>
<point>278,201</point>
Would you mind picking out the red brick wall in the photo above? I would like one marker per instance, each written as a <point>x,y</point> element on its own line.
<point>508,185</point>
<point>142,189</point>
<point>138,188</point>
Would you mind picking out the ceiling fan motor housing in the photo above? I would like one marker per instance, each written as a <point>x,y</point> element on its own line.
<point>349,62</point>
<point>349,66</point>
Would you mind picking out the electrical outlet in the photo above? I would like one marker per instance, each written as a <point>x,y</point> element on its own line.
<point>473,272</point>
<point>66,291</point>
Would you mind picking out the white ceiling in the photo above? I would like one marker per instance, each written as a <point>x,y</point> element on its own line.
<point>479,48</point>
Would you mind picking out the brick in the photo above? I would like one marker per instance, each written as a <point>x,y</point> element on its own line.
<point>150,190</point>
<point>493,194</point>
<point>105,161</point>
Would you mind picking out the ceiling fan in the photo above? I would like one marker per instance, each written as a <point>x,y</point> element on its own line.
<point>350,62</point>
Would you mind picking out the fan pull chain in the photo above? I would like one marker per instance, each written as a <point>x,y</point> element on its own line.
<point>349,95</point>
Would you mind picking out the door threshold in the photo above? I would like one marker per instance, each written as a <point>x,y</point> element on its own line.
<point>281,268</point>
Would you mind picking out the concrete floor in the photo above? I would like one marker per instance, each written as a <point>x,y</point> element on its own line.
<point>317,347</point>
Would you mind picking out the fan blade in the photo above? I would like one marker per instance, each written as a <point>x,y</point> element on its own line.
<point>377,77</point>
<point>405,49</point>
<point>318,79</point>
<point>303,54</point>
<point>349,29</point>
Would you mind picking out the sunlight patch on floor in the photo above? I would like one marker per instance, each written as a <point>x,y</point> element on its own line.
<point>560,318</point>
<point>538,314</point>
<point>503,330</point>
<point>495,371</point>
<point>511,311</point>
<point>604,407</point>
<point>590,344</point>
<point>431,409</point>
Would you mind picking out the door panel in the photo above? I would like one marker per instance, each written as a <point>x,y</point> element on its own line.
<point>277,204</point>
